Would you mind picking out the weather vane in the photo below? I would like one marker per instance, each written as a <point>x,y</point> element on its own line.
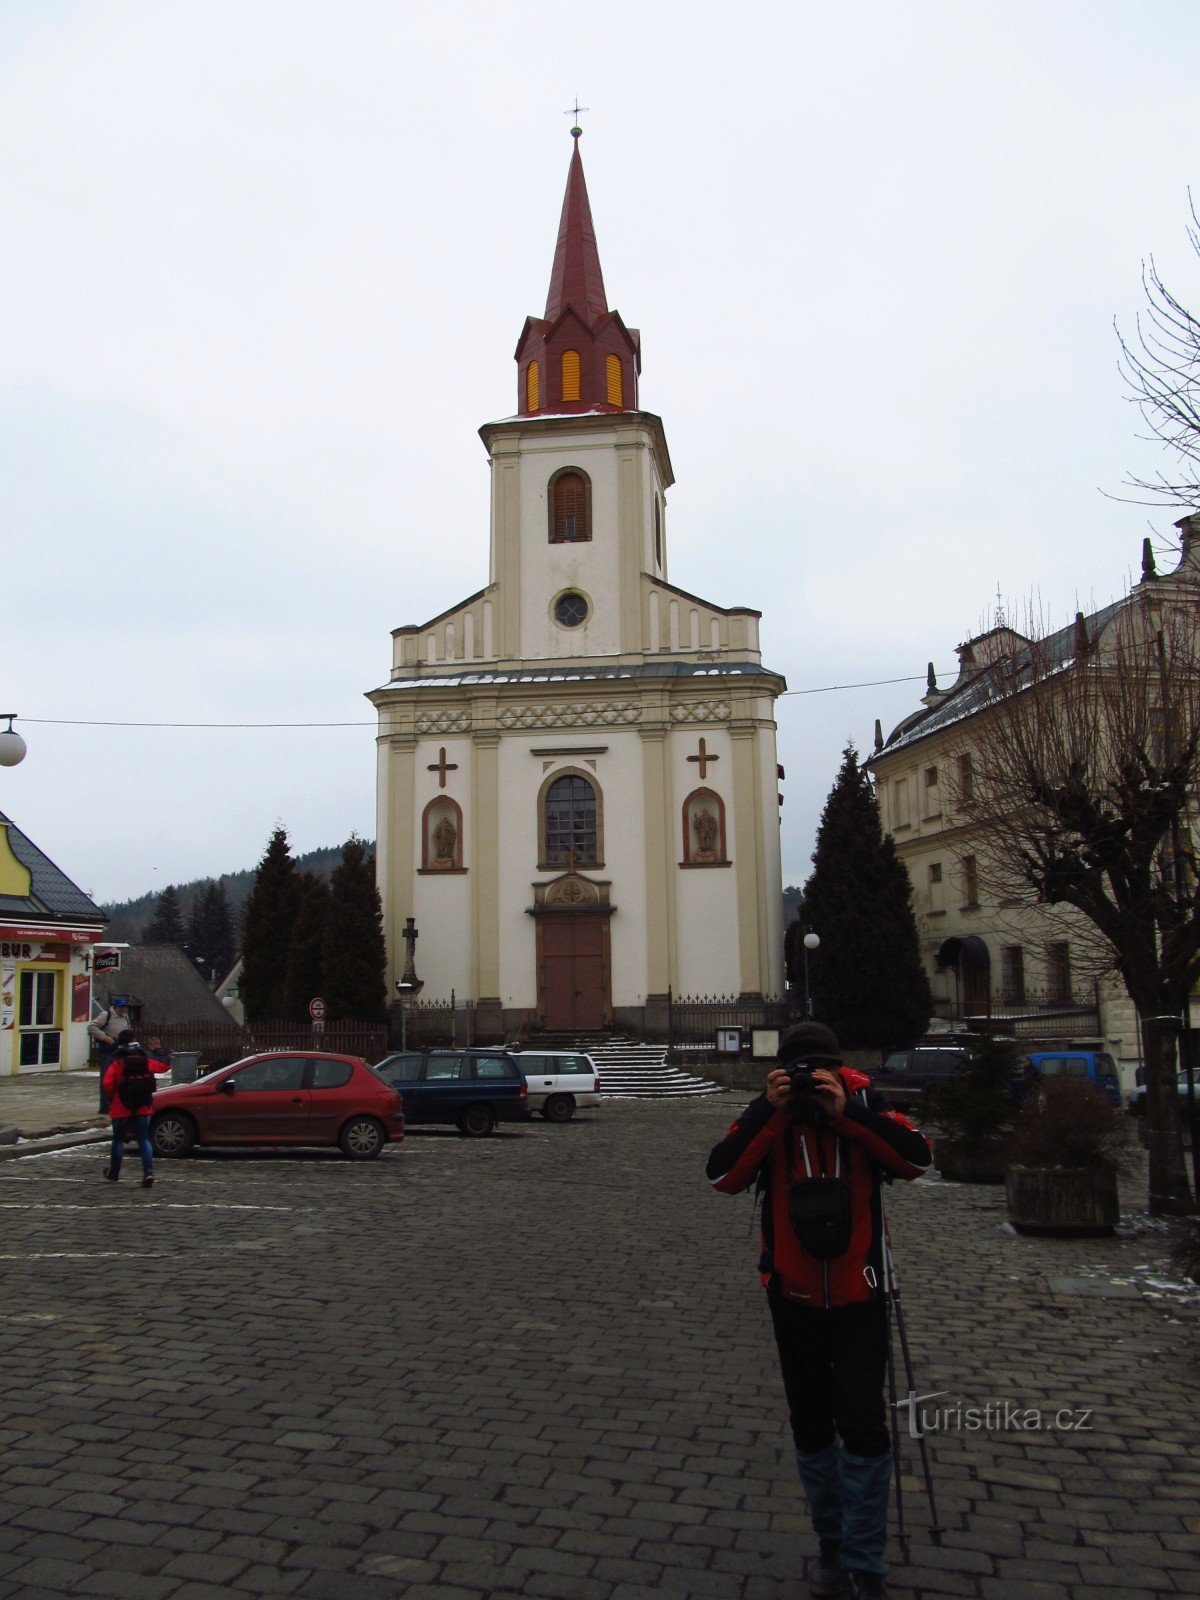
<point>574,112</point>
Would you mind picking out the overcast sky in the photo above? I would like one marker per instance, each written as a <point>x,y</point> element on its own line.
<point>265,263</point>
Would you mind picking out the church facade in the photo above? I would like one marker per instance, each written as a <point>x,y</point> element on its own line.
<point>578,783</point>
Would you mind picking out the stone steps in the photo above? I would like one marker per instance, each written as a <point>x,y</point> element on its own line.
<point>628,1069</point>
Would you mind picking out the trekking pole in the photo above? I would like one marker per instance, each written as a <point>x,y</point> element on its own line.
<point>892,1294</point>
<point>901,1530</point>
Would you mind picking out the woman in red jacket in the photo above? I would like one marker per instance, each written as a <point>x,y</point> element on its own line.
<point>129,1087</point>
<point>818,1149</point>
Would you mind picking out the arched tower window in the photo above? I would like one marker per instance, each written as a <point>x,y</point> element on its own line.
<point>570,375</point>
<point>612,373</point>
<point>532,395</point>
<point>570,507</point>
<point>570,822</point>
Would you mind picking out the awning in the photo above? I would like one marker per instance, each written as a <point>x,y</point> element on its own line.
<point>968,952</point>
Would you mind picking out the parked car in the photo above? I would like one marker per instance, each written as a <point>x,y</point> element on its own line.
<point>1095,1065</point>
<point>1137,1100</point>
<point>282,1097</point>
<point>559,1081</point>
<point>470,1089</point>
<point>906,1074</point>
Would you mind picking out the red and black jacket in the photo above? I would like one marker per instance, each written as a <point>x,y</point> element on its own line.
<point>852,1147</point>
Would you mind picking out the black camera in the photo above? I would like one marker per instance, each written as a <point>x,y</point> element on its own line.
<point>800,1079</point>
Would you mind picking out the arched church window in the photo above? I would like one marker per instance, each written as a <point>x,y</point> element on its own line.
<point>532,397</point>
<point>570,375</point>
<point>704,830</point>
<point>570,822</point>
<point>612,372</point>
<point>570,507</point>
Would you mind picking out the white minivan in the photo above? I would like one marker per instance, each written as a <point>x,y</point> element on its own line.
<point>559,1080</point>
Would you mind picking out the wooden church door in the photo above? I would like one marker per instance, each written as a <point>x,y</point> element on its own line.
<point>574,972</point>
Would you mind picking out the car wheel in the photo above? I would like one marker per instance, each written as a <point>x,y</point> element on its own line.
<point>172,1134</point>
<point>559,1108</point>
<point>477,1120</point>
<point>362,1138</point>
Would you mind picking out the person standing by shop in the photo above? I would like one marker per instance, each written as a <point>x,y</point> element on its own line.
<point>105,1029</point>
<point>129,1087</point>
<point>818,1150</point>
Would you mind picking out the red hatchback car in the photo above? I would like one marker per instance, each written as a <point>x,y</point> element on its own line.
<point>285,1097</point>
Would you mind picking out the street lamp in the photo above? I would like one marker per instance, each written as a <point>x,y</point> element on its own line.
<point>812,941</point>
<point>12,746</point>
<point>409,985</point>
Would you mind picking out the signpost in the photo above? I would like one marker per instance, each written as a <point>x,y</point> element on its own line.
<point>316,1010</point>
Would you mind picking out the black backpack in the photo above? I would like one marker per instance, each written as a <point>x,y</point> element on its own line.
<point>136,1087</point>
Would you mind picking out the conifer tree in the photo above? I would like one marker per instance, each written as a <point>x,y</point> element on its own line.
<point>867,981</point>
<point>305,974</point>
<point>166,925</point>
<point>210,936</point>
<point>355,954</point>
<point>267,930</point>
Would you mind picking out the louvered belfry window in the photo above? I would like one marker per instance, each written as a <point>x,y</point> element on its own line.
<point>570,823</point>
<point>570,375</point>
<point>532,396</point>
<point>612,369</point>
<point>571,523</point>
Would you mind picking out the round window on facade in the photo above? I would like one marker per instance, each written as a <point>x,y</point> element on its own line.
<point>570,609</point>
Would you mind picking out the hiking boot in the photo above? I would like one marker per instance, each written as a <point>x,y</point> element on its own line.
<point>112,1176</point>
<point>826,1576</point>
<point>869,1586</point>
<point>148,1181</point>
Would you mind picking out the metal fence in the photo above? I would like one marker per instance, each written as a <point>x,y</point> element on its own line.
<point>694,1019</point>
<point>1034,1015</point>
<point>219,1045</point>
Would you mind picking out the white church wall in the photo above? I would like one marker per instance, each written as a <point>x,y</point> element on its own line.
<point>706,921</point>
<point>520,778</point>
<point>444,953</point>
<point>772,856</point>
<point>619,772</point>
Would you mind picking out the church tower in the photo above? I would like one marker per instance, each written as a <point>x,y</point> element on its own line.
<point>577,770</point>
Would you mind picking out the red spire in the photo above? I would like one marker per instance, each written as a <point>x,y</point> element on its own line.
<point>576,279</point>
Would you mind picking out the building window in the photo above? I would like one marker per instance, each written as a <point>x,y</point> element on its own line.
<point>900,803</point>
<point>1058,971</point>
<point>1012,974</point>
<point>570,610</point>
<point>936,890</point>
<point>40,1043</point>
<point>612,372</point>
<point>570,375</point>
<point>970,871</point>
<point>933,804</point>
<point>532,395</point>
<point>704,829</point>
<point>570,823</point>
<point>570,507</point>
<point>966,778</point>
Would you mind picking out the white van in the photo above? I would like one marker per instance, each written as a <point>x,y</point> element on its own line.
<point>559,1080</point>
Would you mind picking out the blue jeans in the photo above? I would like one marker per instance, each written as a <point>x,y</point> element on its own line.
<point>141,1129</point>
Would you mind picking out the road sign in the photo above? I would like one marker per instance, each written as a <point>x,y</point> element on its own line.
<point>316,1009</point>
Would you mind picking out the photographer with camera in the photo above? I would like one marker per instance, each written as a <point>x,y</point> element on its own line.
<point>818,1151</point>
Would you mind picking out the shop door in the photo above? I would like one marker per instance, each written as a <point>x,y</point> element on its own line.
<point>38,1020</point>
<point>574,973</point>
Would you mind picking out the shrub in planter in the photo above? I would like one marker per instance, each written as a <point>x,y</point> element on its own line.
<point>1067,1148</point>
<point>975,1112</point>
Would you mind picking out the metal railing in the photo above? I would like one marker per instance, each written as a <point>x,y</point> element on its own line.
<point>219,1045</point>
<point>1032,1015</point>
<point>694,1019</point>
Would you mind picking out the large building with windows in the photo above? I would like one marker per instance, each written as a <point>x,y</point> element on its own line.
<point>578,788</point>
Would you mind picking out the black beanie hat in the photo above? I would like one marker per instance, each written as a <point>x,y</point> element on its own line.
<point>810,1041</point>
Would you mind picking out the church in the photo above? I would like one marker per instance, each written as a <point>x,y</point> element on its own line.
<point>578,789</point>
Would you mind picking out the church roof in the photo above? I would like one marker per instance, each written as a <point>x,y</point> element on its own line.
<point>575,277</point>
<point>646,669</point>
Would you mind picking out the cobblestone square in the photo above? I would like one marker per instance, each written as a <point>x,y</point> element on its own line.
<point>539,1364</point>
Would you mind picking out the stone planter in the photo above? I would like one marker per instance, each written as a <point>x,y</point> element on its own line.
<point>971,1160</point>
<point>1063,1200</point>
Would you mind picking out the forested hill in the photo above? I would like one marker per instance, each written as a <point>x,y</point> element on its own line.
<point>129,917</point>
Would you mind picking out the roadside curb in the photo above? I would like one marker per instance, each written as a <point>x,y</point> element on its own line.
<point>46,1144</point>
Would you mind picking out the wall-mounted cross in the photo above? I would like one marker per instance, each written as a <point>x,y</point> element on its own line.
<point>441,766</point>
<point>704,758</point>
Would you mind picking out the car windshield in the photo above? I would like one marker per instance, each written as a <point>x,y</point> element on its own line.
<point>896,1062</point>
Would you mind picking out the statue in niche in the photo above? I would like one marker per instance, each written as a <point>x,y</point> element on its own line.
<point>706,829</point>
<point>445,837</point>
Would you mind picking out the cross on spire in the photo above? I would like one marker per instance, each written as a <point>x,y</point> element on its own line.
<point>573,112</point>
<point>441,766</point>
<point>703,759</point>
